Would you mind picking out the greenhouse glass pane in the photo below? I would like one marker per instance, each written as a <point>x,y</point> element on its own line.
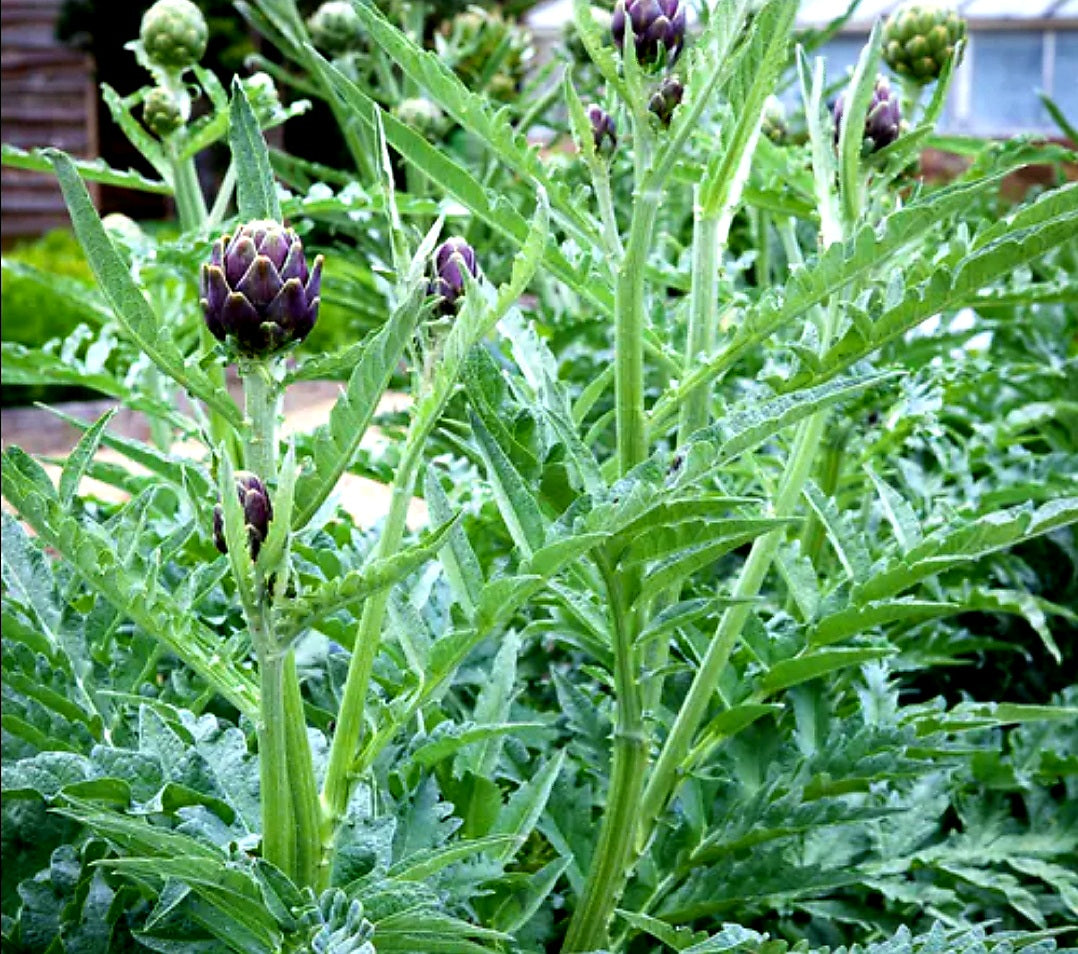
<point>1007,72</point>
<point>1065,87</point>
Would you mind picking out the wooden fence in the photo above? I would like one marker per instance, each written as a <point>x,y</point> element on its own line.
<point>48,98</point>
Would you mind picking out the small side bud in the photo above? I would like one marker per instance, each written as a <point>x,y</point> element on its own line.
<point>603,130</point>
<point>336,28</point>
<point>666,99</point>
<point>452,260</point>
<point>883,121</point>
<point>773,123</point>
<point>257,513</point>
<point>422,115</point>
<point>161,113</point>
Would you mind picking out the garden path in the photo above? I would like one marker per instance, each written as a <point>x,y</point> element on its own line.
<point>306,406</point>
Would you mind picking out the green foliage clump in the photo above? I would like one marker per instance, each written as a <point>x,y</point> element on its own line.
<point>712,581</point>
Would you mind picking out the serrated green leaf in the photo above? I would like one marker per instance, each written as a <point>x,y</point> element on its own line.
<point>256,192</point>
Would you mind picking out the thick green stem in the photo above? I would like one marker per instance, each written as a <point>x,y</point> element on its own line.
<point>278,828</point>
<point>600,178</point>
<point>290,809</point>
<point>703,316</point>
<point>667,772</point>
<point>827,476</point>
<point>190,202</point>
<point>614,852</point>
<point>261,406</point>
<point>670,765</point>
<point>629,337</point>
<point>346,739</point>
<point>306,809</point>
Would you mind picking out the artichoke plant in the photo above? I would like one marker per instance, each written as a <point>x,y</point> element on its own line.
<point>919,40</point>
<point>883,121</point>
<point>666,99</point>
<point>161,112</point>
<point>257,291</point>
<point>335,28</point>
<point>452,260</point>
<point>603,130</point>
<point>257,513</point>
<point>658,28</point>
<point>174,34</point>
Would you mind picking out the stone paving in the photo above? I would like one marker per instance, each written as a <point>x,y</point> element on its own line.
<point>306,406</point>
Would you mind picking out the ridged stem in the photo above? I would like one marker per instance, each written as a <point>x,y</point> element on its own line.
<point>667,771</point>
<point>703,316</point>
<point>278,827</point>
<point>613,854</point>
<point>306,809</point>
<point>669,767</point>
<point>346,739</point>
<point>190,202</point>
<point>291,822</point>
<point>629,336</point>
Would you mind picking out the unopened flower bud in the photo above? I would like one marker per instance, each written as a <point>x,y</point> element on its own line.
<point>658,28</point>
<point>257,513</point>
<point>603,130</point>
<point>666,99</point>
<point>453,259</point>
<point>422,115</point>
<point>336,28</point>
<point>174,34</point>
<point>919,40</point>
<point>257,291</point>
<point>262,94</point>
<point>161,113</point>
<point>773,123</point>
<point>883,121</point>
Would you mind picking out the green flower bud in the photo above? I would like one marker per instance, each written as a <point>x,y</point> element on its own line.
<point>124,228</point>
<point>161,113</point>
<point>478,36</point>
<point>174,34</point>
<point>773,123</point>
<point>336,28</point>
<point>422,115</point>
<point>918,41</point>
<point>262,94</point>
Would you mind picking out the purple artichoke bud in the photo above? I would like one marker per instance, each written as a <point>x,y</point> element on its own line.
<point>658,28</point>
<point>452,259</point>
<point>883,122</point>
<point>603,130</point>
<point>666,99</point>
<point>257,513</point>
<point>257,291</point>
